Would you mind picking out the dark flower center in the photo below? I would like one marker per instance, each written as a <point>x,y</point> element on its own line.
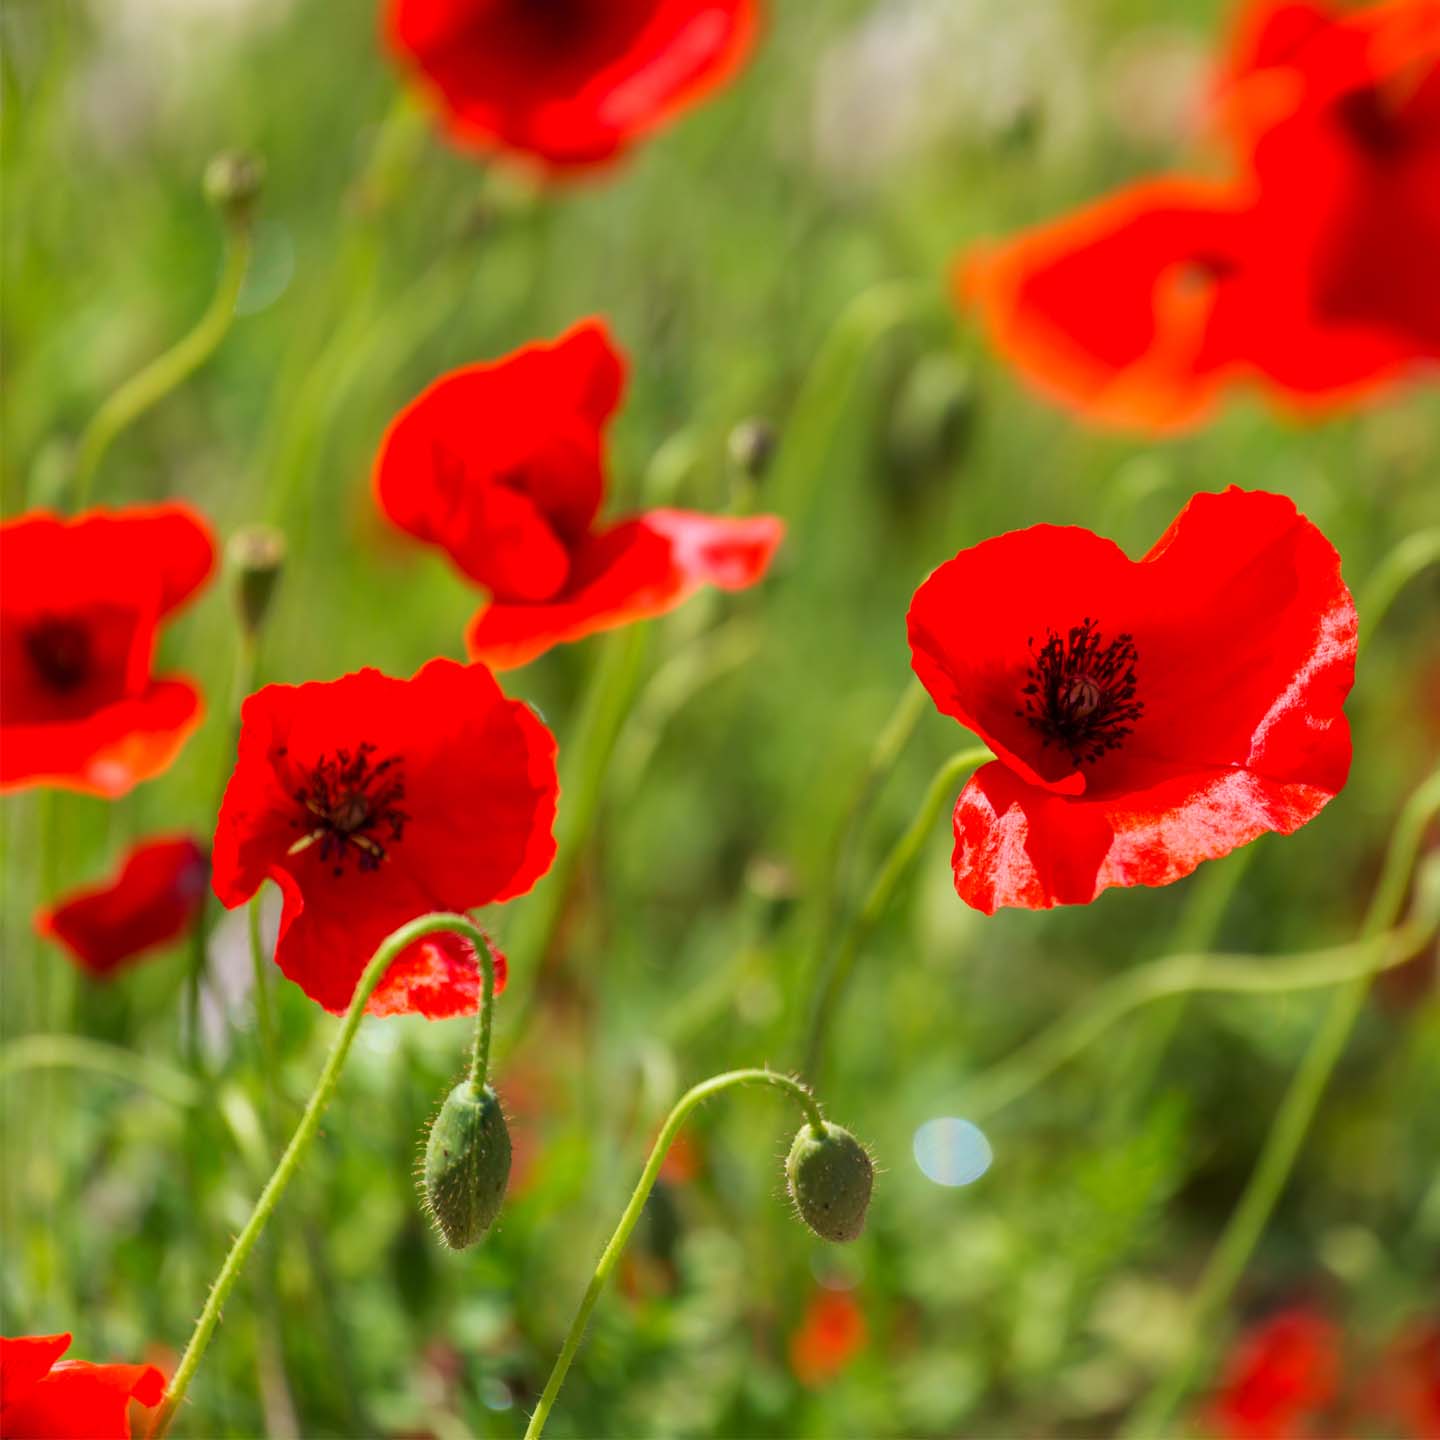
<point>351,803</point>
<point>60,652</point>
<point>1372,121</point>
<point>1081,692</point>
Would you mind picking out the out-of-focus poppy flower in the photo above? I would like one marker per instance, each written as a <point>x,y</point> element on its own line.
<point>1406,1385</point>
<point>1279,1377</point>
<point>573,84</point>
<point>81,602</point>
<point>154,899</point>
<point>1311,271</point>
<point>45,1398</point>
<point>370,801</point>
<point>831,1334</point>
<point>1142,721</point>
<point>502,466</point>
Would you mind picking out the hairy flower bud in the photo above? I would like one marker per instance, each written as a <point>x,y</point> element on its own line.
<point>830,1177</point>
<point>467,1164</point>
<point>233,180</point>
<point>257,555</point>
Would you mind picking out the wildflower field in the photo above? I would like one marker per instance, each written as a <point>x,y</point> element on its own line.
<point>720,718</point>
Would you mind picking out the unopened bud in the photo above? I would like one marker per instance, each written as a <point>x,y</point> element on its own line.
<point>467,1164</point>
<point>934,413</point>
<point>233,181</point>
<point>752,447</point>
<point>830,1177</point>
<point>257,556</point>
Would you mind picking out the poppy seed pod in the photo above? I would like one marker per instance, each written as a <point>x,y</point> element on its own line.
<point>467,1164</point>
<point>830,1177</point>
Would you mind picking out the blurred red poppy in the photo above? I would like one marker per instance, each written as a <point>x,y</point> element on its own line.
<point>1144,720</point>
<point>154,899</point>
<point>81,602</point>
<point>502,466</point>
<point>41,1399</point>
<point>567,83</point>
<point>370,801</point>
<point>1406,1385</point>
<point>1280,1376</point>
<point>1313,271</point>
<point>831,1334</point>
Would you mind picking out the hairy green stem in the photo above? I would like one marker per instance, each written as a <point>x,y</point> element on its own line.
<point>836,975</point>
<point>305,1131</point>
<point>610,1256</point>
<point>1287,1133</point>
<point>150,385</point>
<point>480,1059</point>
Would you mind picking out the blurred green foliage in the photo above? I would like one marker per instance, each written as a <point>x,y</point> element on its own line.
<point>781,253</point>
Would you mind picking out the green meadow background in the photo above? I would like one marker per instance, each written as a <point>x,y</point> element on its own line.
<point>781,253</point>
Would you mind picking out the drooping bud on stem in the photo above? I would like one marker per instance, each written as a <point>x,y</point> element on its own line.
<point>752,447</point>
<point>233,181</point>
<point>830,1176</point>
<point>467,1164</point>
<point>257,556</point>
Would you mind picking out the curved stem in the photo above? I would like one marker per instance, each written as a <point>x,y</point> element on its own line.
<point>480,1061</point>
<point>43,1052</point>
<point>612,1251</point>
<point>1291,1123</point>
<point>1414,554</point>
<point>167,371</point>
<point>1190,974</point>
<point>837,973</point>
<point>305,1131</point>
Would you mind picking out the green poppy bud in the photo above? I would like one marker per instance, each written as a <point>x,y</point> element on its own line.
<point>256,555</point>
<point>830,1177</point>
<point>233,180</point>
<point>467,1164</point>
<point>752,446</point>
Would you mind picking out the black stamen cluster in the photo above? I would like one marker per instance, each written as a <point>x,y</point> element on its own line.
<point>1081,692</point>
<point>60,651</point>
<point>348,800</point>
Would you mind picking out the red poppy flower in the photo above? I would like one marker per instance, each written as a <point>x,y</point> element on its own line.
<point>41,1399</point>
<point>1143,718</point>
<point>1280,1375</point>
<point>81,602</point>
<point>502,466</point>
<point>831,1334</point>
<point>370,801</point>
<point>1311,272</point>
<point>568,83</point>
<point>154,899</point>
<point>1406,1386</point>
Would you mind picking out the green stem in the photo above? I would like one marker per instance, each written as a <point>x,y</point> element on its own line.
<point>608,697</point>
<point>1288,1129</point>
<point>150,385</point>
<point>480,1061</point>
<point>610,1256</point>
<point>836,975</point>
<point>305,1131</point>
<point>45,1052</point>
<point>1414,554</point>
<point>1195,973</point>
<point>264,1016</point>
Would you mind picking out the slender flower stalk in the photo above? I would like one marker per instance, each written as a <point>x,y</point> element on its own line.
<point>836,976</point>
<point>391,947</point>
<point>610,1256</point>
<point>608,697</point>
<point>1289,1128</point>
<point>166,372</point>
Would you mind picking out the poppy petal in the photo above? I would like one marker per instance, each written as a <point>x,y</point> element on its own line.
<point>71,1400</point>
<point>633,571</point>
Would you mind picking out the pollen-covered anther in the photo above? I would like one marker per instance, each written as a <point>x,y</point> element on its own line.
<point>1080,691</point>
<point>352,801</point>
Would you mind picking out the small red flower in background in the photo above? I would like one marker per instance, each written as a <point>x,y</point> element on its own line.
<point>1312,271</point>
<point>831,1334</point>
<point>1406,1385</point>
<point>502,466</point>
<point>155,899</point>
<point>568,83</point>
<point>81,603</point>
<point>1147,715</point>
<point>1280,1377</point>
<point>41,1399</point>
<point>370,801</point>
